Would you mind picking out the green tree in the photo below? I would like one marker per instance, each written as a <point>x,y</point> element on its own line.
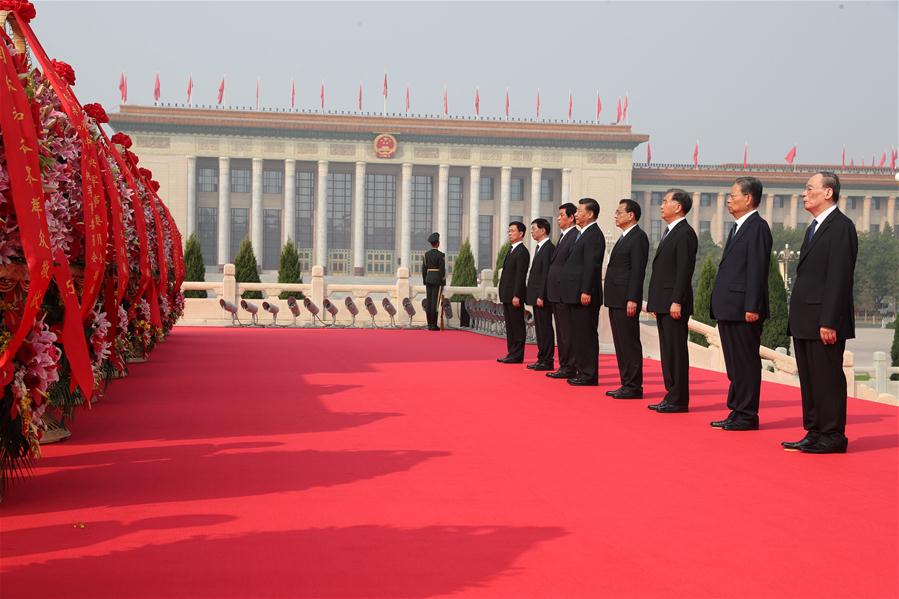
<point>464,272</point>
<point>702,302</point>
<point>289,269</point>
<point>246,269</point>
<point>876,273</point>
<point>774,331</point>
<point>194,270</point>
<point>707,249</point>
<point>500,258</point>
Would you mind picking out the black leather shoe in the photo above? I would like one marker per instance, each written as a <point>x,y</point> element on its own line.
<point>561,374</point>
<point>533,366</point>
<point>509,361</point>
<point>628,395</point>
<point>808,439</point>
<point>614,391</point>
<point>720,423</point>
<point>583,382</point>
<point>670,408</point>
<point>541,367</point>
<point>738,425</point>
<point>826,446</point>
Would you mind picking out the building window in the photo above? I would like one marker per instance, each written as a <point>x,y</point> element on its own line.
<point>454,215</point>
<point>271,254</point>
<point>208,178</point>
<point>852,203</point>
<point>207,224</point>
<point>240,180</point>
<point>656,197</point>
<point>546,189</point>
<point>422,197</point>
<point>877,203</point>
<point>517,193</point>
<point>302,227</point>
<point>340,203</point>
<point>639,197</point>
<point>705,199</point>
<point>239,230</point>
<point>486,188</point>
<point>485,241</point>
<point>655,229</point>
<point>271,182</point>
<point>705,226</point>
<point>380,212</point>
<point>874,228</point>
<point>780,201</point>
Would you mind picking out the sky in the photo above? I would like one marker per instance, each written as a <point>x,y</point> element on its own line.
<point>818,75</point>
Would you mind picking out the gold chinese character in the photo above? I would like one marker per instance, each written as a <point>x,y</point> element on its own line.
<point>94,258</point>
<point>43,241</point>
<point>9,85</point>
<point>45,269</point>
<point>23,148</point>
<point>28,176</point>
<point>70,286</point>
<point>36,205</point>
<point>17,116</point>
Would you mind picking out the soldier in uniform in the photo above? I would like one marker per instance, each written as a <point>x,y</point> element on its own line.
<point>433,274</point>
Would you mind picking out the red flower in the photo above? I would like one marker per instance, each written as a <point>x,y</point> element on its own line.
<point>122,139</point>
<point>96,112</point>
<point>132,158</point>
<point>154,185</point>
<point>64,70</point>
<point>145,173</point>
<point>23,8</point>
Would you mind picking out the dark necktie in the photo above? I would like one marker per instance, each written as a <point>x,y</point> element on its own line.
<point>664,235</point>
<point>578,236</point>
<point>810,231</point>
<point>730,236</point>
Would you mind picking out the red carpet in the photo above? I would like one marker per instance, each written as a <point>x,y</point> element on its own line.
<point>351,463</point>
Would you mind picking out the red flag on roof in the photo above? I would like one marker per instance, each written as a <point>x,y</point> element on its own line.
<point>624,112</point>
<point>507,102</point>
<point>293,93</point>
<point>222,91</point>
<point>257,93</point>
<point>570,105</point>
<point>883,160</point>
<point>321,95</point>
<point>696,154</point>
<point>477,101</point>
<point>445,103</point>
<point>843,158</point>
<point>407,99</point>
<point>648,153</point>
<point>618,118</point>
<point>190,88</point>
<point>123,88</point>
<point>791,155</point>
<point>359,102</point>
<point>745,154</point>
<point>599,107</point>
<point>538,102</point>
<point>156,89</point>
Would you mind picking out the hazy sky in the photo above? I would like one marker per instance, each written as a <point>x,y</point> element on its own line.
<point>773,74</point>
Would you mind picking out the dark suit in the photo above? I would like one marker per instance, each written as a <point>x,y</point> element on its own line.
<point>822,297</point>
<point>433,275</point>
<point>624,283</point>
<point>582,273</point>
<point>741,286</point>
<point>543,317</point>
<point>671,282</point>
<point>512,284</point>
<point>561,311</point>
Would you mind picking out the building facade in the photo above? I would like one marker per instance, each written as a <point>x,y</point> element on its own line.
<point>359,194</point>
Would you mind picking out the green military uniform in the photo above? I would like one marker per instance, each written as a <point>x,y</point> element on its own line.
<point>433,274</point>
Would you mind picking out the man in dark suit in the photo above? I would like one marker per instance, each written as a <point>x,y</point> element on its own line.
<point>543,314</point>
<point>822,316</point>
<point>553,293</point>
<point>740,303</point>
<point>512,293</point>
<point>433,274</point>
<point>623,296</point>
<point>582,291</point>
<point>671,298</point>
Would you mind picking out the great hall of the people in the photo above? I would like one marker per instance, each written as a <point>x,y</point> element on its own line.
<point>359,194</point>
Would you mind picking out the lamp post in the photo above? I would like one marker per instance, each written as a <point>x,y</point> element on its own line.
<point>784,256</point>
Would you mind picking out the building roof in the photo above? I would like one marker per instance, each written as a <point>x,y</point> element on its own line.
<point>363,127</point>
<point>771,174</point>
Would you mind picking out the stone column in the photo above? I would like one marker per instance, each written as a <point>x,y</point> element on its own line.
<point>224,210</point>
<point>842,204</point>
<point>289,213</point>
<point>406,216</point>
<point>320,234</point>
<point>794,208</point>
<point>866,214</point>
<point>359,221</point>
<point>694,212</point>
<point>536,177</point>
<point>769,209</point>
<point>442,202</point>
<point>718,223</point>
<point>191,221</point>
<point>474,209</point>
<point>256,209</point>
<point>566,185</point>
<point>505,199</point>
<point>891,212</point>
